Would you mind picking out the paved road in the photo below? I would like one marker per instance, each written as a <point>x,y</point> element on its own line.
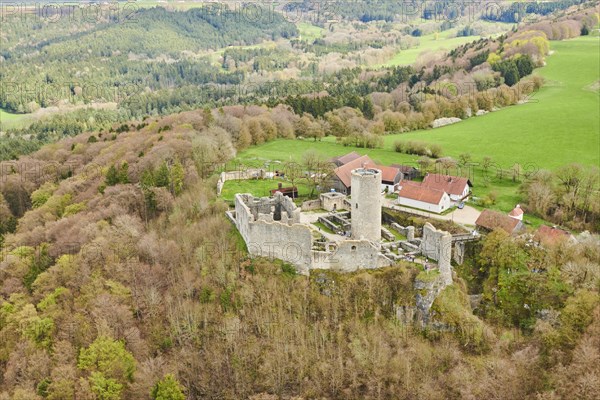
<point>467,216</point>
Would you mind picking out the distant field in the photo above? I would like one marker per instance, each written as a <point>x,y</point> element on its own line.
<point>445,40</point>
<point>428,43</point>
<point>309,32</point>
<point>174,4</point>
<point>560,126</point>
<point>9,120</point>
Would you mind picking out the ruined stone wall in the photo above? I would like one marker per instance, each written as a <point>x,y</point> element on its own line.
<point>286,239</point>
<point>270,227</point>
<point>459,252</point>
<point>408,231</point>
<point>276,208</point>
<point>328,223</point>
<point>251,173</point>
<point>349,256</point>
<point>310,205</point>
<point>437,245</point>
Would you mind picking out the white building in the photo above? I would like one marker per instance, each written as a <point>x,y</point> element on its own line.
<point>415,195</point>
<point>458,188</point>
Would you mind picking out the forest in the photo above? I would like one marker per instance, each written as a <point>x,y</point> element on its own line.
<point>124,51</point>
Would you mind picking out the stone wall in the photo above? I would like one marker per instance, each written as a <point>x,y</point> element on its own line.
<point>408,231</point>
<point>310,205</point>
<point>437,245</point>
<point>328,224</point>
<point>387,235</point>
<point>270,227</point>
<point>350,255</point>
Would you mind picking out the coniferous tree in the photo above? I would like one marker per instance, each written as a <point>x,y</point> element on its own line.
<point>161,178</point>
<point>112,176</point>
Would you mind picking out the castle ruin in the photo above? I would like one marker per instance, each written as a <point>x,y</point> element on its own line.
<point>275,227</point>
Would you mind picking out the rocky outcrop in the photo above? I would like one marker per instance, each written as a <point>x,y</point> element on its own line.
<point>427,292</point>
<point>444,121</point>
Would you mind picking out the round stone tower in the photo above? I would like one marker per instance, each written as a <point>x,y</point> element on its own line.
<point>366,204</point>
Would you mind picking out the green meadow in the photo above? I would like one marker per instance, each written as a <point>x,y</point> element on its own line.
<point>259,187</point>
<point>559,125</point>
<point>10,120</point>
<point>428,43</point>
<point>309,32</point>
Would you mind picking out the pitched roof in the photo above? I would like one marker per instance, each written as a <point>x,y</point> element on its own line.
<point>346,158</point>
<point>551,233</point>
<point>517,211</point>
<point>388,173</point>
<point>344,173</point>
<point>493,219</point>
<point>450,184</point>
<point>404,168</point>
<point>416,191</point>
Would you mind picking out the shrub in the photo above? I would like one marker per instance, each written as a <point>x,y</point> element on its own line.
<point>418,148</point>
<point>436,150</point>
<point>399,146</point>
<point>74,209</point>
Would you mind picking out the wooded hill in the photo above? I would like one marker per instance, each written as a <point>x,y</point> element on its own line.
<point>121,278</point>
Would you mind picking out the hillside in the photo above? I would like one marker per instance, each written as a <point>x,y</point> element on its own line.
<point>560,123</point>
<point>124,254</point>
<point>112,60</point>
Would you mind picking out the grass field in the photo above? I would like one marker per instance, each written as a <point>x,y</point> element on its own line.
<point>309,32</point>
<point>428,43</point>
<point>259,188</point>
<point>9,120</point>
<point>445,40</point>
<point>560,126</point>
